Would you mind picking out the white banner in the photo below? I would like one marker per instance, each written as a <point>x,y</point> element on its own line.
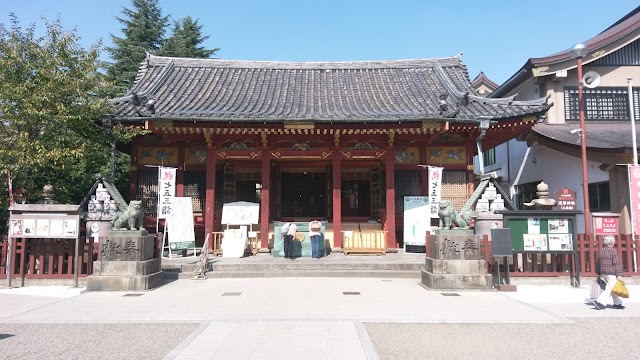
<point>435,189</point>
<point>166,191</point>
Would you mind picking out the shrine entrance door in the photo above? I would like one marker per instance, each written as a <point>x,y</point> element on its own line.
<point>303,194</point>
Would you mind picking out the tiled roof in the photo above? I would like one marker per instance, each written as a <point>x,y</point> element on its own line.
<point>603,135</point>
<point>483,79</point>
<point>373,91</point>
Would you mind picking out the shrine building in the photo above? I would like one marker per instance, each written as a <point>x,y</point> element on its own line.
<point>341,142</point>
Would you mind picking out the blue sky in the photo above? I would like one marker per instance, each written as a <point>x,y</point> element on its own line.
<point>495,36</point>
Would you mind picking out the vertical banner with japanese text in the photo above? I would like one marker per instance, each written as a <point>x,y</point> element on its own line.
<point>634,194</point>
<point>435,190</point>
<point>166,191</point>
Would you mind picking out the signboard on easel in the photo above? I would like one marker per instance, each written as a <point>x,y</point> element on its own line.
<point>179,226</point>
<point>417,221</point>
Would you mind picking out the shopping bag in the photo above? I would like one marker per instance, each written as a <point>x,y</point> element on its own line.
<point>602,283</point>
<point>620,289</point>
<point>594,290</point>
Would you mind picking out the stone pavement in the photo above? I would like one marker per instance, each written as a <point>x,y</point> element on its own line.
<point>294,318</point>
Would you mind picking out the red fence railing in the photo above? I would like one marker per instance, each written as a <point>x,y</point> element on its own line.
<point>52,258</point>
<point>542,264</point>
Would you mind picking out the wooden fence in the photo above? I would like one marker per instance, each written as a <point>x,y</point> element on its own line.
<point>546,264</point>
<point>215,246</point>
<point>365,242</point>
<point>51,258</point>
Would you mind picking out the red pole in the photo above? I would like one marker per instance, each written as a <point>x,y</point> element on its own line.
<point>583,146</point>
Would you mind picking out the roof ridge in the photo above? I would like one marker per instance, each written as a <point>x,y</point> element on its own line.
<point>361,64</point>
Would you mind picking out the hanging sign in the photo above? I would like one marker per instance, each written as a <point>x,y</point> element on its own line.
<point>435,189</point>
<point>605,225</point>
<point>167,191</point>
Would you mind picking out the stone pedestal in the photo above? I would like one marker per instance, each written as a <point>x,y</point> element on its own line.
<point>126,263</point>
<point>456,263</point>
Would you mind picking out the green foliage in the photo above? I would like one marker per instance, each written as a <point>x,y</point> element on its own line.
<point>185,41</point>
<point>51,102</point>
<point>143,30</point>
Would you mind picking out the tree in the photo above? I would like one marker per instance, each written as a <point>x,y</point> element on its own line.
<point>50,111</point>
<point>185,41</point>
<point>144,29</point>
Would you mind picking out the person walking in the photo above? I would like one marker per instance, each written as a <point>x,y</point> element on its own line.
<point>289,230</point>
<point>610,270</point>
<point>314,233</point>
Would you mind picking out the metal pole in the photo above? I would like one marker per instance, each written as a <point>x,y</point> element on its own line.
<point>633,123</point>
<point>583,146</point>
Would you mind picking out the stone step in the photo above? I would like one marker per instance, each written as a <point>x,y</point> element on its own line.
<point>404,274</point>
<point>300,266</point>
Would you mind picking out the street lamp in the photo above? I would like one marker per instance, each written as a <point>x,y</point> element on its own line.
<point>578,51</point>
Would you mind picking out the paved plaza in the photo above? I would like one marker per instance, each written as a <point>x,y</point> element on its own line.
<point>310,318</point>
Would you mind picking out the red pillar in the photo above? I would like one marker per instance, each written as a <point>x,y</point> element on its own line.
<point>210,195</point>
<point>424,173</point>
<point>337,205</point>
<point>391,198</point>
<point>264,200</point>
<point>180,171</point>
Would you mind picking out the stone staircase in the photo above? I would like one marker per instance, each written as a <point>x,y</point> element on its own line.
<point>334,265</point>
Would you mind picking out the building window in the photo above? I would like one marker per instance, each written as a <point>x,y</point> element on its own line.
<point>526,193</point>
<point>489,157</point>
<point>147,191</point>
<point>601,103</point>
<point>599,197</point>
<point>407,184</point>
<point>195,186</point>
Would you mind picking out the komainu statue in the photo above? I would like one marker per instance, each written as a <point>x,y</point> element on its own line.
<point>449,216</point>
<point>130,218</point>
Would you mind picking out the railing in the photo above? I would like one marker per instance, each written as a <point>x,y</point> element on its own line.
<point>48,258</point>
<point>216,244</point>
<point>546,264</point>
<point>365,242</point>
<point>628,252</point>
<point>52,258</point>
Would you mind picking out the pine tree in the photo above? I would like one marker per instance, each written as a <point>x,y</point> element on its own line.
<point>144,29</point>
<point>185,41</point>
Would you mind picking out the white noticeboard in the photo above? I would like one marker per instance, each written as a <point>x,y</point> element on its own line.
<point>179,226</point>
<point>240,213</point>
<point>417,220</point>
<point>234,242</point>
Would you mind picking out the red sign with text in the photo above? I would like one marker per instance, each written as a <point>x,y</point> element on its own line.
<point>634,193</point>
<point>605,225</point>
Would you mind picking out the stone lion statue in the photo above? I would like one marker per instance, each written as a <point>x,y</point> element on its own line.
<point>449,216</point>
<point>130,218</point>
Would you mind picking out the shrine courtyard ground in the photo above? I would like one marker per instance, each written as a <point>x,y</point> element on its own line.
<point>313,318</point>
